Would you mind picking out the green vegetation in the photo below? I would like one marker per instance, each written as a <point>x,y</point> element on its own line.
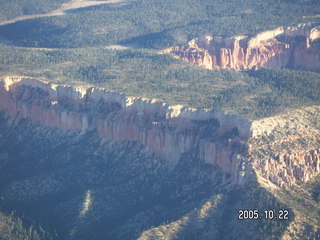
<point>47,175</point>
<point>145,73</point>
<point>12,228</point>
<point>153,24</point>
<point>268,229</point>
<point>315,191</point>
<point>132,191</point>
<point>301,200</point>
<point>157,24</point>
<point>11,9</point>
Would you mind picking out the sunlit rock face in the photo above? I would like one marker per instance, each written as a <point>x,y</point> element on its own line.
<point>296,47</point>
<point>167,130</point>
<point>285,148</point>
<point>287,169</point>
<point>228,141</point>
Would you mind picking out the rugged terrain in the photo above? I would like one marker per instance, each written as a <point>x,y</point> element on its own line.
<point>296,47</point>
<point>105,135</point>
<point>167,130</point>
<point>148,142</point>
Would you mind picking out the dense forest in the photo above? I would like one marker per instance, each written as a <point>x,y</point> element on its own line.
<point>11,9</point>
<point>156,24</point>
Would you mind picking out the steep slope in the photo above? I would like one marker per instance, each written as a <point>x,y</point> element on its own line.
<point>167,130</point>
<point>288,142</point>
<point>81,187</point>
<point>286,154</point>
<point>296,47</point>
<point>102,164</point>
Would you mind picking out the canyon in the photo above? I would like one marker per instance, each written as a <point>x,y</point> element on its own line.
<point>295,47</point>
<point>159,120</point>
<point>223,139</point>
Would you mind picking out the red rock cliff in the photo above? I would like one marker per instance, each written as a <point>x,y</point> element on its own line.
<point>297,47</point>
<point>220,138</point>
<point>167,130</point>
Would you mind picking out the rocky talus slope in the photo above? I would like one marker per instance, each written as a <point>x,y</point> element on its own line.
<point>297,47</point>
<point>282,149</point>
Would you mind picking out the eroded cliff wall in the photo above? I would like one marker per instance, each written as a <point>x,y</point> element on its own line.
<point>283,149</point>
<point>297,47</point>
<point>167,130</point>
<point>287,169</point>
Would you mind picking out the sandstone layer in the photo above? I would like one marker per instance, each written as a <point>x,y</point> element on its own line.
<point>297,47</point>
<point>286,147</point>
<point>283,149</point>
<point>286,169</point>
<point>167,130</point>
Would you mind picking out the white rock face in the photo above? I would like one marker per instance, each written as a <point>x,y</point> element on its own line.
<point>59,93</point>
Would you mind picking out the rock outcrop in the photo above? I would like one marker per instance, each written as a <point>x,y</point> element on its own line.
<point>286,147</point>
<point>167,130</point>
<point>297,47</point>
<point>272,146</point>
<point>286,169</point>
